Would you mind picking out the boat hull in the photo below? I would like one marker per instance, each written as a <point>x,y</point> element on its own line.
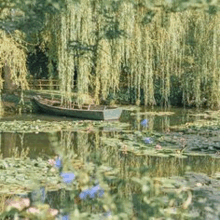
<point>106,114</point>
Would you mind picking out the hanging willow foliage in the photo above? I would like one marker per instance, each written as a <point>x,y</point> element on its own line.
<point>12,58</point>
<point>98,42</point>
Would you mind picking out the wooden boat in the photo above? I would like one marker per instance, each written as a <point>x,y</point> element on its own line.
<point>94,112</point>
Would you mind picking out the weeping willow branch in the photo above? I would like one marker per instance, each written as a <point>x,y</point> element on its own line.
<point>12,57</point>
<point>98,41</point>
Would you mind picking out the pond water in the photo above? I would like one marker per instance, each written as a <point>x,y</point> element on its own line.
<point>43,144</point>
<point>100,147</point>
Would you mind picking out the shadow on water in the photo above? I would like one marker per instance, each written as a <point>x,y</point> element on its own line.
<point>34,144</point>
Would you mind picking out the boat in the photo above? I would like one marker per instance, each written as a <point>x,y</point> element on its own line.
<point>93,112</point>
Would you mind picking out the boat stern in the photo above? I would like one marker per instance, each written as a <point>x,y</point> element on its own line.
<point>112,114</point>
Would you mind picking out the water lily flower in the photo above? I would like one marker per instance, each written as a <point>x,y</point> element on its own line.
<point>33,210</point>
<point>144,122</point>
<point>125,149</point>
<point>67,177</point>
<point>147,140</point>
<point>53,212</point>
<point>18,203</point>
<point>158,147</point>
<point>52,162</point>
<point>92,193</point>
<point>199,184</point>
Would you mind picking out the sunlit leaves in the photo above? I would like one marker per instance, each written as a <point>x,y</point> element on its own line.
<point>33,14</point>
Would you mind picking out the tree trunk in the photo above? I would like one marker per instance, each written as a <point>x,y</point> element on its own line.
<point>9,86</point>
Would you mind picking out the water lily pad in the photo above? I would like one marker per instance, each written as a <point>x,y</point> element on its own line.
<point>178,156</point>
<point>154,113</point>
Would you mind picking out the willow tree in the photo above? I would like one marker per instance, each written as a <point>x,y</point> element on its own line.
<point>153,45</point>
<point>99,39</point>
<point>18,21</point>
<point>12,64</point>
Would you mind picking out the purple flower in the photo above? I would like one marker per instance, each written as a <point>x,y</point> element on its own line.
<point>65,217</point>
<point>67,177</point>
<point>84,194</point>
<point>96,190</point>
<point>147,140</point>
<point>58,162</point>
<point>144,122</point>
<point>92,192</point>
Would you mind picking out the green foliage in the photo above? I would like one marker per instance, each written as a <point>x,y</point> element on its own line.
<point>27,16</point>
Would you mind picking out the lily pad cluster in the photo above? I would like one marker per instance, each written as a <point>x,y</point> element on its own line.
<point>202,135</point>
<point>96,187</point>
<point>20,175</point>
<point>45,126</point>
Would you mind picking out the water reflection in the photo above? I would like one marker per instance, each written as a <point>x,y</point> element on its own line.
<point>88,146</point>
<point>155,120</point>
<point>13,144</point>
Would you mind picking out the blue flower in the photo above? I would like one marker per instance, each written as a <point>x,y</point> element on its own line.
<point>144,122</point>
<point>96,190</point>
<point>147,140</point>
<point>92,192</point>
<point>67,177</point>
<point>58,162</point>
<point>84,194</point>
<point>65,217</point>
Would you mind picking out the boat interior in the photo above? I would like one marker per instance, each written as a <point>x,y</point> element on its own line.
<point>74,105</point>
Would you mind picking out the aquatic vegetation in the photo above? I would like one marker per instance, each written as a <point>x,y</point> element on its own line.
<point>38,195</point>
<point>68,178</point>
<point>154,113</point>
<point>19,174</point>
<point>116,173</point>
<point>156,197</point>
<point>45,126</point>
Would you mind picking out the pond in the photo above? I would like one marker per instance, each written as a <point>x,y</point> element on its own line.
<point>39,143</point>
<point>130,159</point>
